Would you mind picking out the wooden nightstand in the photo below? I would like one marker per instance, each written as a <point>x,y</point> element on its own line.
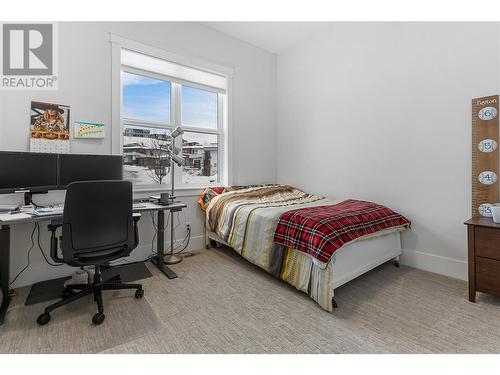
<point>483,237</point>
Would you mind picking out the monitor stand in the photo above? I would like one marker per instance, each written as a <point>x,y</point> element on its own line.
<point>28,196</point>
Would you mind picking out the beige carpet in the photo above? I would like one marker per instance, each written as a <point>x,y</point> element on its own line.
<point>222,304</point>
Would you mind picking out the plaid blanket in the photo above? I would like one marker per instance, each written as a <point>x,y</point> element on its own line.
<point>320,231</point>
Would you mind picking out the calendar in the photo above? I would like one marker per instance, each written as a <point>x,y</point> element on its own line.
<point>49,146</point>
<point>49,128</point>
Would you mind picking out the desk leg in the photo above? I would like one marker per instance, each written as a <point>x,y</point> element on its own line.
<point>4,270</point>
<point>160,247</point>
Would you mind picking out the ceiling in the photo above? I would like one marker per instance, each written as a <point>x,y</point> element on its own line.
<point>275,37</point>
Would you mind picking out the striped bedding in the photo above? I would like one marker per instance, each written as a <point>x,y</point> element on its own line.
<point>246,220</point>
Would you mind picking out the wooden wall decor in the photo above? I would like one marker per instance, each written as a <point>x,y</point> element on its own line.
<point>485,166</point>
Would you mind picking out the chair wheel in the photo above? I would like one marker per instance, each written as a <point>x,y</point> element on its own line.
<point>98,318</point>
<point>43,319</point>
<point>139,293</point>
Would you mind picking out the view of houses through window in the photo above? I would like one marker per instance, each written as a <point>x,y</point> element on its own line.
<point>201,153</point>
<point>145,155</point>
<point>148,118</point>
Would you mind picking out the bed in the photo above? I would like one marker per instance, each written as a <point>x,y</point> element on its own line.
<point>313,243</point>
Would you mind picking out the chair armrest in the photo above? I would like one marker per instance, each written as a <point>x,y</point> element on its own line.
<point>54,224</point>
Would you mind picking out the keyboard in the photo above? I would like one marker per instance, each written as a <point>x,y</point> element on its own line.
<point>55,209</point>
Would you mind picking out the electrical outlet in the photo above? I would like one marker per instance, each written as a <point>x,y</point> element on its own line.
<point>188,227</point>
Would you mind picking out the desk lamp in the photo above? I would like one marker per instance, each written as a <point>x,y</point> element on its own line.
<point>179,160</point>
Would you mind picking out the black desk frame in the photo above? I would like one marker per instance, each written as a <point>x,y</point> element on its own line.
<point>4,270</point>
<point>160,237</point>
<point>5,250</point>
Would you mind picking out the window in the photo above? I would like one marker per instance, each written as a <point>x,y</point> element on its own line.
<point>146,123</point>
<point>199,111</point>
<point>157,96</point>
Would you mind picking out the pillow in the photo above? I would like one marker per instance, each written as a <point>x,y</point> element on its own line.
<point>211,192</point>
<point>208,194</point>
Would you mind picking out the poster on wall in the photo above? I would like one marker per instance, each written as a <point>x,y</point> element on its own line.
<point>49,128</point>
<point>89,130</point>
<point>485,127</point>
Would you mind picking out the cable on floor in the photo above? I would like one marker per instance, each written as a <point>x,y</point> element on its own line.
<point>188,237</point>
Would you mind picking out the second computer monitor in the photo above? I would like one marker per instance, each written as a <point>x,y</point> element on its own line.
<point>74,167</point>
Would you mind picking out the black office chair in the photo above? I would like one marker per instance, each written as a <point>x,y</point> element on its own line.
<point>97,227</point>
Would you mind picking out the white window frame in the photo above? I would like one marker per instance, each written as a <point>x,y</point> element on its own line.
<point>224,165</point>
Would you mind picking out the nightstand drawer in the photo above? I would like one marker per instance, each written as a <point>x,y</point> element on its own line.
<point>488,275</point>
<point>487,242</point>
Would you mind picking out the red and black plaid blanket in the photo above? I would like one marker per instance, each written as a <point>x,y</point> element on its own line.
<point>320,231</point>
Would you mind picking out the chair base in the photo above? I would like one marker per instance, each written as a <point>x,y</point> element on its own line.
<point>96,289</point>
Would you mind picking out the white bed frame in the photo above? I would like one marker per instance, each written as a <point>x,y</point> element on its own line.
<point>359,257</point>
<point>355,259</point>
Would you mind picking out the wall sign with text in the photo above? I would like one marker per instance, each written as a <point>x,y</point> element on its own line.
<point>29,56</point>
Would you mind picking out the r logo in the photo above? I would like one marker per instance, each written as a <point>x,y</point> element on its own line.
<point>27,49</point>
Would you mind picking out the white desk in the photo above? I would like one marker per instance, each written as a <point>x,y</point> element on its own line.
<point>7,220</point>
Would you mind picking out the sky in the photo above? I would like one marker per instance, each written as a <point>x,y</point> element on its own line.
<point>148,99</point>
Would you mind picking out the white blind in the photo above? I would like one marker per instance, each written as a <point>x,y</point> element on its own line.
<point>174,72</point>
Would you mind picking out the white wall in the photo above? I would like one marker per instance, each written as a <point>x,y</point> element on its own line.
<point>85,85</point>
<point>382,111</point>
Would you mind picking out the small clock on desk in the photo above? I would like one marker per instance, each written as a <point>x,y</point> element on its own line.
<point>483,238</point>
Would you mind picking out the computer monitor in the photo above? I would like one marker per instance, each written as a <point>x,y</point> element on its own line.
<point>27,171</point>
<point>75,167</point>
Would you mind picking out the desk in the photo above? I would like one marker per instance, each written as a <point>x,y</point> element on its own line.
<point>5,244</point>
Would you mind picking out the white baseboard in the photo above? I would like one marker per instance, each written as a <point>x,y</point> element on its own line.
<point>435,263</point>
<point>195,243</point>
<point>41,271</point>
